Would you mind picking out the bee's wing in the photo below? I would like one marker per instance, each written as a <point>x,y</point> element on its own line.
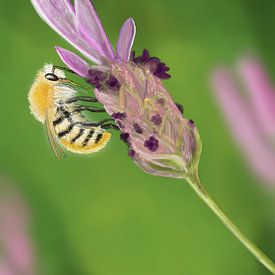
<point>52,139</point>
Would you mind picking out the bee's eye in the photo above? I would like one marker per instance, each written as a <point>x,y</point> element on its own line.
<point>51,77</point>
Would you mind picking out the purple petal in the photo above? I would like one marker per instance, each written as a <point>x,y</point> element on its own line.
<point>70,6</point>
<point>91,41</point>
<point>126,40</point>
<point>60,16</point>
<point>74,62</point>
<point>242,124</point>
<point>89,25</point>
<point>261,92</point>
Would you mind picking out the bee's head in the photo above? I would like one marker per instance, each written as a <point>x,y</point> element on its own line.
<point>53,74</point>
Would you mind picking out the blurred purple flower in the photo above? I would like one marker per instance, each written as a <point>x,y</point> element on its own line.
<point>16,252</point>
<point>250,114</point>
<point>160,140</point>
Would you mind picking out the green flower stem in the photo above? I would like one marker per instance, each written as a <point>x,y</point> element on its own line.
<point>194,181</point>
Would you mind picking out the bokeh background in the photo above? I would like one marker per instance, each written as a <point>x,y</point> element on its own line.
<point>101,215</point>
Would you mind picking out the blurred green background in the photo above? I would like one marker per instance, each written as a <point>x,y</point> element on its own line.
<point>101,215</point>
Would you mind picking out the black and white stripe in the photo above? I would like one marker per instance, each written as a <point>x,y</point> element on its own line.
<point>78,136</point>
<point>65,132</point>
<point>98,137</point>
<point>58,121</point>
<point>74,127</point>
<point>89,136</point>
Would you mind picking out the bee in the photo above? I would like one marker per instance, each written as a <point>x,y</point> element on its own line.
<point>54,102</point>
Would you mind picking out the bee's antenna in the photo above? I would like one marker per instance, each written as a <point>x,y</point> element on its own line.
<point>67,80</point>
<point>63,69</point>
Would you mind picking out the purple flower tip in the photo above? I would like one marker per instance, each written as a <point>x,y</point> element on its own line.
<point>113,84</point>
<point>191,122</point>
<point>156,119</point>
<point>96,78</point>
<point>137,128</point>
<point>152,144</point>
<point>157,67</point>
<point>142,58</point>
<point>145,55</point>
<point>124,137</point>
<point>99,79</point>
<point>118,115</point>
<point>161,101</point>
<point>180,107</point>
<point>132,153</point>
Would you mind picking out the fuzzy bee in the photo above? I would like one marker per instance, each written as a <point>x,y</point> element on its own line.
<point>53,102</point>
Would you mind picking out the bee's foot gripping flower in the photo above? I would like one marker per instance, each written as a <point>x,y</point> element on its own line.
<point>154,64</point>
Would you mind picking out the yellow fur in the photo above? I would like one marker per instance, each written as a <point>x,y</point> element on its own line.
<point>77,148</point>
<point>41,97</point>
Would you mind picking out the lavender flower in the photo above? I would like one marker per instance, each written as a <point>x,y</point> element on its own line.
<point>160,140</point>
<point>250,114</point>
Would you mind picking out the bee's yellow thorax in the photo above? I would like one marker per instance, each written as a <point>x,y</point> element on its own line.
<point>41,97</point>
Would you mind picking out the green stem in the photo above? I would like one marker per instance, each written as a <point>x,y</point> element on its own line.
<point>199,189</point>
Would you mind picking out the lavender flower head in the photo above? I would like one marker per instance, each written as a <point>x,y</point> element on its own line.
<point>160,140</point>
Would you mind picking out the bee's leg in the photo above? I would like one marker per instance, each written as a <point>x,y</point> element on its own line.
<point>81,98</point>
<point>109,126</point>
<point>95,124</point>
<point>88,108</point>
<point>104,124</point>
<point>101,123</point>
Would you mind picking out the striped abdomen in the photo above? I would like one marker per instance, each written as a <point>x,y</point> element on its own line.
<point>76,137</point>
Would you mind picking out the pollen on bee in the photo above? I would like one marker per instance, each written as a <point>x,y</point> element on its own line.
<point>40,97</point>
